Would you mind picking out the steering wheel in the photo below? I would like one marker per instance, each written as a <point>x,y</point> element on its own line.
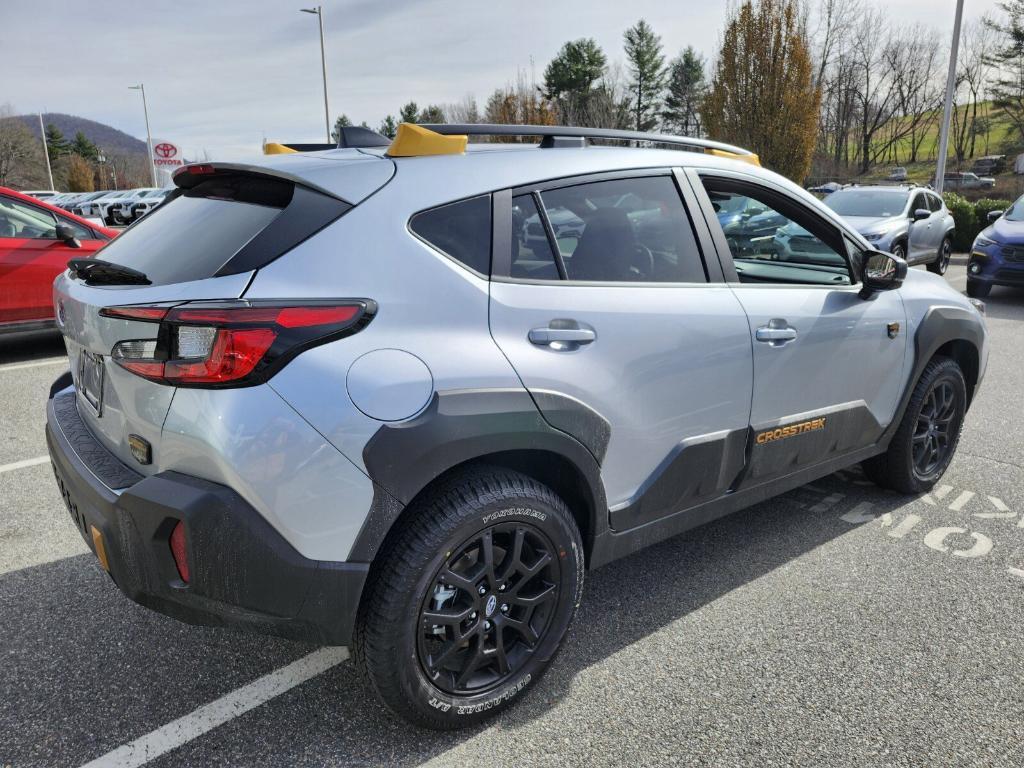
<point>642,264</point>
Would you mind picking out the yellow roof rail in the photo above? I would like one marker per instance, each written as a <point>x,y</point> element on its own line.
<point>415,141</point>
<point>748,158</point>
<point>273,148</point>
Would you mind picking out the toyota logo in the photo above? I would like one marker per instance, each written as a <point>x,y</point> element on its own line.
<point>165,150</point>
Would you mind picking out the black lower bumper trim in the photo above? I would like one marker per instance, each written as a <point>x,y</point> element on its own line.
<point>243,573</point>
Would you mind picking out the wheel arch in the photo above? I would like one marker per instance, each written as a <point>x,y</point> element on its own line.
<point>460,431</point>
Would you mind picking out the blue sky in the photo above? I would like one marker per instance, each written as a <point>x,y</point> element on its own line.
<point>221,75</point>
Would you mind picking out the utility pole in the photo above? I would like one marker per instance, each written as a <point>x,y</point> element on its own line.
<point>947,110</point>
<point>149,136</point>
<point>46,150</point>
<point>319,11</point>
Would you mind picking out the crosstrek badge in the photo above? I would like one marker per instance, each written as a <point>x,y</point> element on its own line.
<point>790,431</point>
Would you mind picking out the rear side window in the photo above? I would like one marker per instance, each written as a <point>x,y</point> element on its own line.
<point>934,203</point>
<point>624,230</point>
<point>225,224</point>
<point>460,230</point>
<point>532,257</point>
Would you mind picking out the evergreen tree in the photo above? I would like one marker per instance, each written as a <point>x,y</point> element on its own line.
<point>341,122</point>
<point>570,78</point>
<point>409,113</point>
<point>647,72</point>
<point>686,89</point>
<point>388,127</point>
<point>56,144</point>
<point>84,148</point>
<point>431,114</point>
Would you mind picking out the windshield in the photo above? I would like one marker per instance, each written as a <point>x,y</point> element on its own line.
<point>867,202</point>
<point>1016,211</point>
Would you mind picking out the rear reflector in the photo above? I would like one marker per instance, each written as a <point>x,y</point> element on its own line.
<point>178,550</point>
<point>219,344</point>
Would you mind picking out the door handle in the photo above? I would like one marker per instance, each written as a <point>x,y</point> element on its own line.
<point>776,333</point>
<point>562,335</point>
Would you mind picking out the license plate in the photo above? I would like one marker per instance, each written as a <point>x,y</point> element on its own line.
<point>90,379</point>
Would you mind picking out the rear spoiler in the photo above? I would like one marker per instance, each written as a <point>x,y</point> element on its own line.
<point>350,137</point>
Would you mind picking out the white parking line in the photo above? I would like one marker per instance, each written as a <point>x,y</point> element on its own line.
<point>24,463</point>
<point>209,716</point>
<point>20,366</point>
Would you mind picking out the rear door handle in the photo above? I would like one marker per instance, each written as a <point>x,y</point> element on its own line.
<point>776,333</point>
<point>562,335</point>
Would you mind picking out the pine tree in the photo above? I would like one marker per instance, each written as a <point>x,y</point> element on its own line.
<point>83,147</point>
<point>569,78</point>
<point>409,113</point>
<point>431,114</point>
<point>56,144</point>
<point>647,72</point>
<point>686,89</point>
<point>341,122</point>
<point>388,127</point>
<point>762,95</point>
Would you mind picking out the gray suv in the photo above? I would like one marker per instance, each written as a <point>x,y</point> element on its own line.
<point>910,222</point>
<point>350,396</point>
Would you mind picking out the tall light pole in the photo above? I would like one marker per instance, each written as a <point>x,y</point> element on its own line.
<point>947,110</point>
<point>319,11</point>
<point>46,150</point>
<point>149,136</point>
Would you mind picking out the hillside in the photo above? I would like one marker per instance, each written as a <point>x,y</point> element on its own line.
<point>104,136</point>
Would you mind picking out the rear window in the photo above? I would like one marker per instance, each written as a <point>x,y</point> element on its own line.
<point>195,234</point>
<point>460,230</point>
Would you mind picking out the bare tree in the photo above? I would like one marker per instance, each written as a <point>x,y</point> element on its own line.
<point>21,152</point>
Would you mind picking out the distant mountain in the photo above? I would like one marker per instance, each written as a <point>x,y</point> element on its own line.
<point>103,136</point>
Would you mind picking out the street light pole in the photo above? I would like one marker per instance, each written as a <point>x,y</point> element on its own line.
<point>319,11</point>
<point>947,110</point>
<point>46,150</point>
<point>149,136</point>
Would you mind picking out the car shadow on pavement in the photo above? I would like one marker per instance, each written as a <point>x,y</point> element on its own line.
<point>1005,303</point>
<point>88,670</point>
<point>27,347</point>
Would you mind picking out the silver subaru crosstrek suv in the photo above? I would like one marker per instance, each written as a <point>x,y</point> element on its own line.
<point>402,398</point>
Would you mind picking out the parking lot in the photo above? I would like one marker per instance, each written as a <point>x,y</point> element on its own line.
<point>836,625</point>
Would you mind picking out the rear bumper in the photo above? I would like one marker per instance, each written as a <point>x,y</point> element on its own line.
<point>242,572</point>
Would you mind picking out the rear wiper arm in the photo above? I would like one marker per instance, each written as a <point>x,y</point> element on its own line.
<point>100,272</point>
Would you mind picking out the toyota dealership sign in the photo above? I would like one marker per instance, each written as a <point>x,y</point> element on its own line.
<point>166,154</point>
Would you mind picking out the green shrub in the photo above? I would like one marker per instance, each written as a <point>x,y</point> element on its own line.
<point>966,221</point>
<point>986,204</point>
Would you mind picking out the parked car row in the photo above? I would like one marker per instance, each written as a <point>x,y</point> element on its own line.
<point>112,207</point>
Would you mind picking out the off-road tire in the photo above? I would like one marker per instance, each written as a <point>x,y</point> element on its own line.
<point>977,289</point>
<point>407,575</point>
<point>899,248</point>
<point>896,467</point>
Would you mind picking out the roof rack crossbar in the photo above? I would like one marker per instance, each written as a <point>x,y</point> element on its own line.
<point>566,131</point>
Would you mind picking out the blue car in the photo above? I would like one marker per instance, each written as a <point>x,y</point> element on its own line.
<point>997,256</point>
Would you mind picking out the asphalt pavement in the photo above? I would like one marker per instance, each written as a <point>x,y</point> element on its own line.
<point>836,625</point>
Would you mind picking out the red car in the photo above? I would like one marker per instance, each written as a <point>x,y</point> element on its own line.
<point>36,242</point>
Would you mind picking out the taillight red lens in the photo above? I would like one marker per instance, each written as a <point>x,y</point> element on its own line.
<point>231,343</point>
<point>178,550</point>
<point>235,353</point>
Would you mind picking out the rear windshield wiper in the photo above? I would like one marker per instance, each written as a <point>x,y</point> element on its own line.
<point>100,272</point>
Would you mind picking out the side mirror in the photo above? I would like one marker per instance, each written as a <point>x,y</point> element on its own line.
<point>993,215</point>
<point>67,235</point>
<point>921,214</point>
<point>882,272</point>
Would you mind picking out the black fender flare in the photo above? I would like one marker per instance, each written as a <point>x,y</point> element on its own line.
<point>940,326</point>
<point>456,427</point>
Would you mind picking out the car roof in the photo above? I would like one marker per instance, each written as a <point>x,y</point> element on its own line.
<point>65,214</point>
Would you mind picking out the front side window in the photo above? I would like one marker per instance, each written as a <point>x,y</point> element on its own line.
<point>26,221</point>
<point>920,203</point>
<point>460,230</point>
<point>623,230</point>
<point>781,244</point>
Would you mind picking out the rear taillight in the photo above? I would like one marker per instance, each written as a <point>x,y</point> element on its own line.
<point>231,344</point>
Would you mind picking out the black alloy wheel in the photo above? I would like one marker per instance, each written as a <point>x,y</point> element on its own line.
<point>490,606</point>
<point>938,423</point>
